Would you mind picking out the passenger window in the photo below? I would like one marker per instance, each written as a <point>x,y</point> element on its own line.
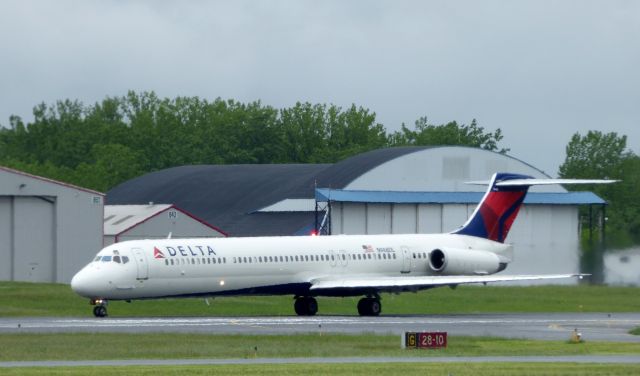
<point>106,258</point>
<point>394,256</point>
<point>166,262</point>
<point>116,259</point>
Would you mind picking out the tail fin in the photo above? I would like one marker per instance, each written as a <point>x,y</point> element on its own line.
<point>499,207</point>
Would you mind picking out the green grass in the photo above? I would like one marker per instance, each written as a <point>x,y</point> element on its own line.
<point>635,331</point>
<point>379,369</point>
<point>83,346</point>
<point>38,299</point>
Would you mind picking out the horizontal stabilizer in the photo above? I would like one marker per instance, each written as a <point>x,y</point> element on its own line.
<point>533,181</point>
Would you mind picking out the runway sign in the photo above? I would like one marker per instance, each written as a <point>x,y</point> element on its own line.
<point>424,340</point>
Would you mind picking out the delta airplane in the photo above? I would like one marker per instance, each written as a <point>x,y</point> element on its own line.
<point>311,266</point>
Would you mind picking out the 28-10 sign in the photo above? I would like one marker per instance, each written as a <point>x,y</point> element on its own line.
<point>425,340</point>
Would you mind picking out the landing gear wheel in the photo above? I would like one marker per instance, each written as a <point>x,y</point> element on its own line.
<point>369,307</point>
<point>306,306</point>
<point>100,311</point>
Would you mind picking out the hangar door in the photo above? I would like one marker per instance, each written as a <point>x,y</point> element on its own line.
<point>27,226</point>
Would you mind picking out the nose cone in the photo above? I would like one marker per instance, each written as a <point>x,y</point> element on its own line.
<point>84,283</point>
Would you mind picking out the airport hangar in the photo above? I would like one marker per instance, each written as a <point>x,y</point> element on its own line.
<point>392,190</point>
<point>48,229</point>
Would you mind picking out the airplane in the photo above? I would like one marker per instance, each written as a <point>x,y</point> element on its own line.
<point>311,266</point>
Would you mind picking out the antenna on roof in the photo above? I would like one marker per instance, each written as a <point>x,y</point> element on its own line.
<point>169,236</point>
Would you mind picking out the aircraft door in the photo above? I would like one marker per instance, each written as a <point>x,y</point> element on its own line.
<point>343,258</point>
<point>141,263</point>
<point>406,260</point>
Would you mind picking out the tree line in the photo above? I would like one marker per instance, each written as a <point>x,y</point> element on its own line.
<point>99,146</point>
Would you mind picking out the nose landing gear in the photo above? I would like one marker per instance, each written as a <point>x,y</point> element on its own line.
<point>100,309</point>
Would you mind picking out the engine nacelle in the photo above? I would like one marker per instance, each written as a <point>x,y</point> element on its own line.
<point>452,261</point>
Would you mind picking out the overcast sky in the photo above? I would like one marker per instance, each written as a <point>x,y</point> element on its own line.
<point>539,70</point>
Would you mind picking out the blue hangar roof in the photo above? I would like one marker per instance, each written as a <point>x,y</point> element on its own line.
<point>535,198</point>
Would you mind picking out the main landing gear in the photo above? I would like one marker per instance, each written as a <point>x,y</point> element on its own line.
<point>306,306</point>
<point>100,309</point>
<point>369,306</point>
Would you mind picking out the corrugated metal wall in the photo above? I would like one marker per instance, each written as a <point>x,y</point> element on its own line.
<point>48,229</point>
<point>545,237</point>
<point>29,245</point>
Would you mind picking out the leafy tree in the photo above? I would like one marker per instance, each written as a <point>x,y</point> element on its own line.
<point>452,133</point>
<point>594,155</point>
<point>605,156</point>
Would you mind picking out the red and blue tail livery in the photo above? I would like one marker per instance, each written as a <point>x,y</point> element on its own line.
<point>499,207</point>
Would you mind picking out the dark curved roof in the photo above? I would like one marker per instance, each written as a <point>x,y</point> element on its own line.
<point>223,195</point>
<point>227,196</point>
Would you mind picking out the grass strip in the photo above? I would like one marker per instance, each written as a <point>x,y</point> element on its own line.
<point>635,331</point>
<point>42,299</point>
<point>378,369</point>
<point>83,346</point>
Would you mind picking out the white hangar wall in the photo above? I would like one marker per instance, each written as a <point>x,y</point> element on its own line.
<point>545,237</point>
<point>48,230</point>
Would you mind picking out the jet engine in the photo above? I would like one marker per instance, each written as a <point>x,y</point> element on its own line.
<point>453,261</point>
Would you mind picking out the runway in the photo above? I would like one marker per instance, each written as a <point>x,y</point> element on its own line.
<point>542,326</point>
<point>605,359</point>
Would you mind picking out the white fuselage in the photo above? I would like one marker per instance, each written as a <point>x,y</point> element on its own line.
<point>263,265</point>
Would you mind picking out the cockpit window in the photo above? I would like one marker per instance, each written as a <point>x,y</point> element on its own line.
<point>106,258</point>
<point>97,258</point>
<point>125,259</point>
<point>116,259</point>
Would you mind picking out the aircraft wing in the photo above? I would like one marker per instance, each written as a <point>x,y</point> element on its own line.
<point>421,282</point>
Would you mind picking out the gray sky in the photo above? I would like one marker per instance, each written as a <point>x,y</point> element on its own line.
<point>539,70</point>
